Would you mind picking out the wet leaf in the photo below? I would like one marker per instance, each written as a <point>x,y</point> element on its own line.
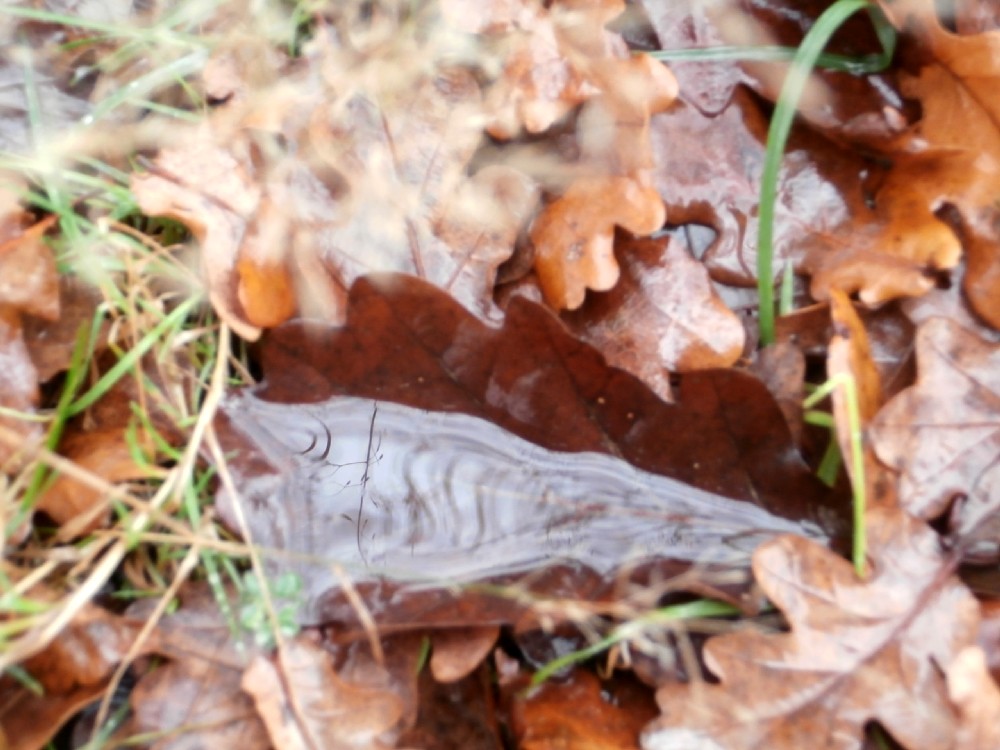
<point>941,434</point>
<point>662,316</point>
<point>849,357</point>
<point>458,652</point>
<point>405,342</point>
<point>391,491</point>
<point>858,651</point>
<point>456,716</point>
<point>306,704</point>
<point>574,236</point>
<point>960,144</point>
<point>28,285</point>
<point>708,172</point>
<point>579,713</point>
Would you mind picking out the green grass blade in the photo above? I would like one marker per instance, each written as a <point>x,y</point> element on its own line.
<point>777,136</point>
<point>688,611</point>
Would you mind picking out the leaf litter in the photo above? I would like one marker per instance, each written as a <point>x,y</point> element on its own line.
<point>558,419</point>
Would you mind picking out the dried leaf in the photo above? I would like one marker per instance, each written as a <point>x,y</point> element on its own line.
<point>858,651</point>
<point>306,704</point>
<point>19,385</point>
<point>959,150</point>
<point>74,671</point>
<point>977,696</point>
<point>850,356</point>
<point>942,434</point>
<point>381,179</point>
<point>195,700</point>
<point>105,453</point>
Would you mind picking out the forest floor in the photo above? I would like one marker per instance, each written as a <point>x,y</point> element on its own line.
<point>437,374</point>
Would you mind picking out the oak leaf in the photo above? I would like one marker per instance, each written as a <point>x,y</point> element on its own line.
<point>956,159</point>
<point>305,704</point>
<point>663,316</point>
<point>943,433</point>
<point>977,696</point>
<point>858,651</point>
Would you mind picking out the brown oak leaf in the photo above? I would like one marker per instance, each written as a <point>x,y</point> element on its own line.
<point>957,158</point>
<point>858,651</point>
<point>663,316</point>
<point>943,433</point>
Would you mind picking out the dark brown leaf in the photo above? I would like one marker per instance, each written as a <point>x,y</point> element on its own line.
<point>407,343</point>
<point>369,473</point>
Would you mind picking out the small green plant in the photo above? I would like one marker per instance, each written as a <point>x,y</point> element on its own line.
<point>849,387</point>
<point>286,597</point>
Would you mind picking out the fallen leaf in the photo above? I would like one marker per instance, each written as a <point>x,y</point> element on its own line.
<point>406,342</point>
<point>458,652</point>
<point>305,705</point>
<point>20,130</point>
<point>977,697</point>
<point>662,316</point>
<point>51,342</point>
<point>194,700</point>
<point>457,715</point>
<point>579,713</point>
<point>555,57</point>
<point>959,155</point>
<point>574,236</point>
<point>859,650</point>
<point>782,367</point>
<point>73,671</point>
<point>941,434</point>
<point>28,279</point>
<point>18,387</point>
<point>107,454</point>
<point>708,172</point>
<point>385,167</point>
<point>28,284</point>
